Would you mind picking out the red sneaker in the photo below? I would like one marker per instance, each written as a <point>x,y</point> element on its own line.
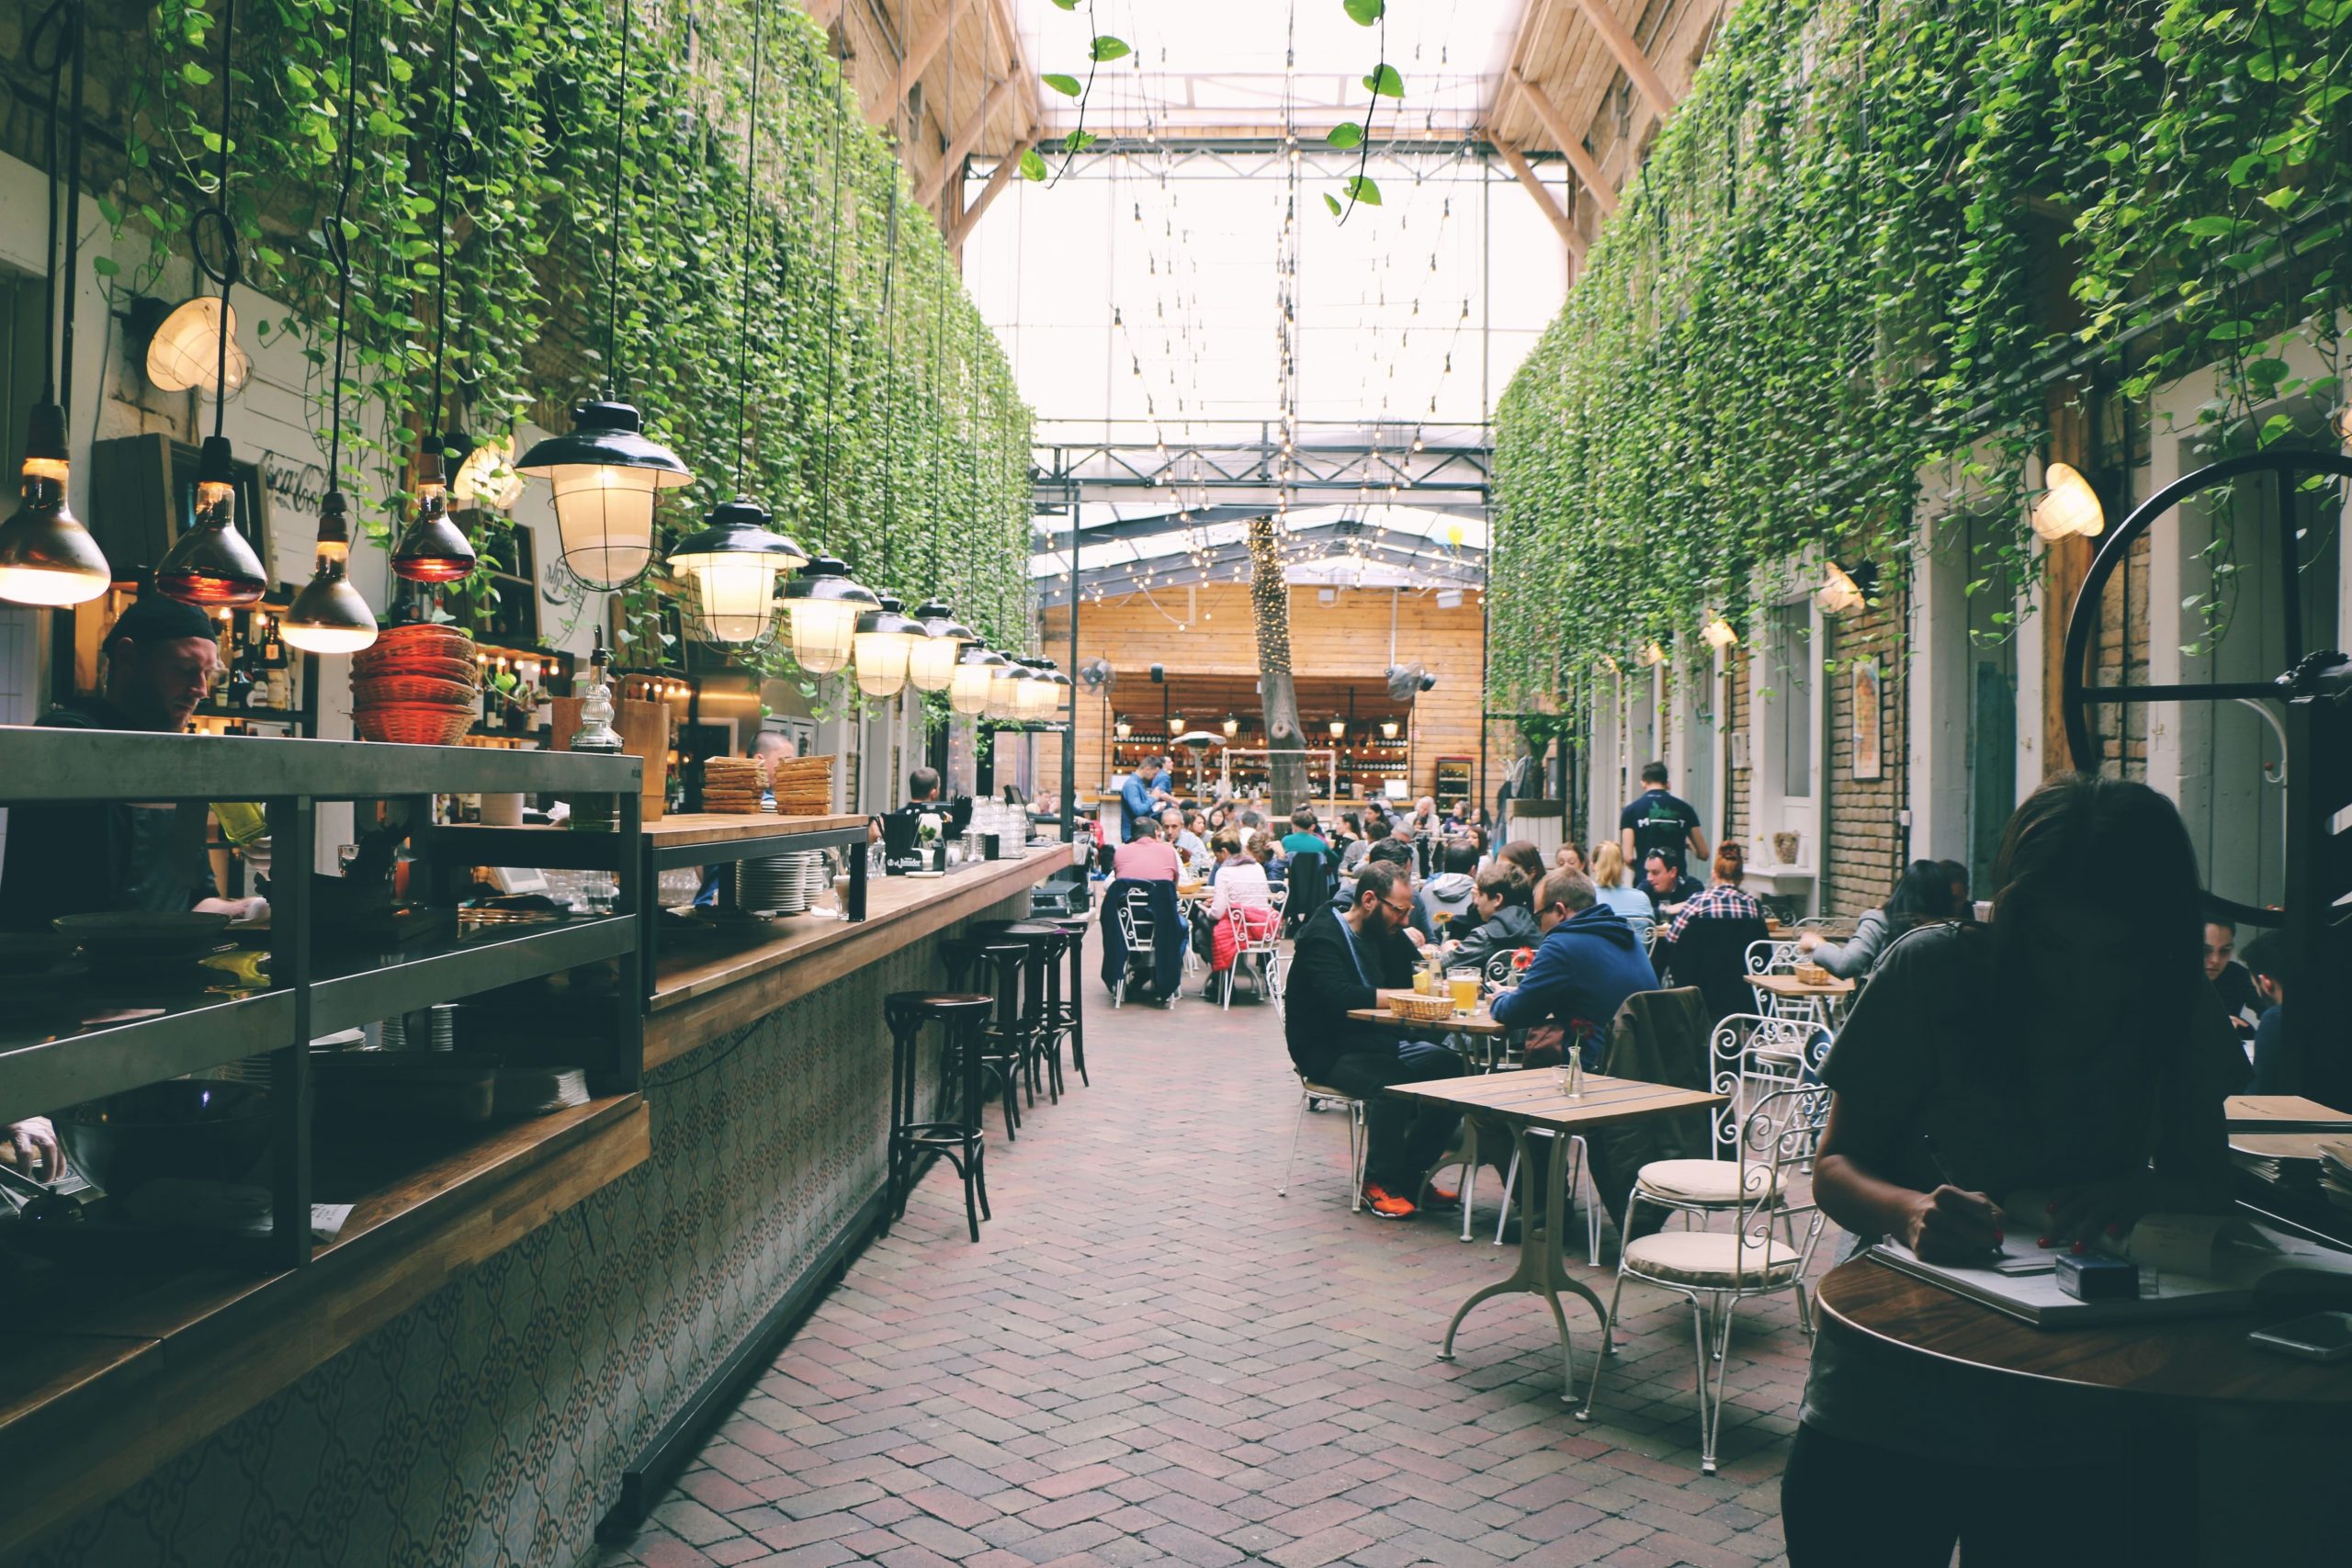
<point>1384,1203</point>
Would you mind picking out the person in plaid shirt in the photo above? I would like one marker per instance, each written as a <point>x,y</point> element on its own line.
<point>1721,899</point>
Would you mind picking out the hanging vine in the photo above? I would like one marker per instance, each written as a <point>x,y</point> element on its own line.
<point>1382,81</point>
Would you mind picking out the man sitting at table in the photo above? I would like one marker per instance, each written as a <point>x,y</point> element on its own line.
<point>1342,960</point>
<point>1146,857</point>
<point>1588,963</point>
<point>1190,847</point>
<point>1669,885</point>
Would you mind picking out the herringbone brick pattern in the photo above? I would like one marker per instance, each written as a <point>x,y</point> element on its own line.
<point>1150,1357</point>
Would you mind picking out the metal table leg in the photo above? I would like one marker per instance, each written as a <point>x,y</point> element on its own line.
<point>1541,1270</point>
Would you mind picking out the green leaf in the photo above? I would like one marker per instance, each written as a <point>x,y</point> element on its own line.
<point>1384,83</point>
<point>1107,48</point>
<point>1067,5</point>
<point>1032,164</point>
<point>195,75</point>
<point>1332,202</point>
<point>1363,189</point>
<point>1078,140</point>
<point>1363,13</point>
<point>104,266</point>
<point>1066,85</point>
<point>1346,133</point>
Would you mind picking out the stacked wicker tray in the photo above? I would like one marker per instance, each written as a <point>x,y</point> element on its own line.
<point>804,786</point>
<point>416,684</point>
<point>730,785</point>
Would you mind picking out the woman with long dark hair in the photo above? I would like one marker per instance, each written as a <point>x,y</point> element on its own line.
<point>2072,1048</point>
<point>1924,894</point>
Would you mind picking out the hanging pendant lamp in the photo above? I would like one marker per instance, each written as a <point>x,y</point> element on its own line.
<point>1006,703</point>
<point>605,473</point>
<point>974,681</point>
<point>932,663</point>
<point>733,560</point>
<point>47,558</point>
<point>883,641</point>
<point>1048,691</point>
<point>822,605</point>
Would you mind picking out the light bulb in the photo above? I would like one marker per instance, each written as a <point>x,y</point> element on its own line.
<point>329,615</point>
<point>47,558</point>
<point>210,563</point>
<point>2068,506</point>
<point>1718,633</point>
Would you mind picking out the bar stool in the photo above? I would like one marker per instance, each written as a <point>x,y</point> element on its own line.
<point>958,1140</point>
<point>995,965</point>
<point>1068,1015</point>
<point>1041,988</point>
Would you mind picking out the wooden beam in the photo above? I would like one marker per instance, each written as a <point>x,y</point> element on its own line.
<point>1569,235</point>
<point>951,165</point>
<point>1570,144</point>
<point>927,44</point>
<point>1630,58</point>
<point>1007,167</point>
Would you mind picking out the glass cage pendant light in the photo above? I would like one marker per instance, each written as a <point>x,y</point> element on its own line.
<point>47,558</point>
<point>732,562</point>
<point>1041,697</point>
<point>605,475</point>
<point>433,548</point>
<point>883,641</point>
<point>821,607</point>
<point>932,663</point>
<point>974,681</point>
<point>329,615</point>
<point>1005,700</point>
<point>210,563</point>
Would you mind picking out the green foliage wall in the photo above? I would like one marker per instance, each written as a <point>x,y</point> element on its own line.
<point>915,468</point>
<point>1870,241</point>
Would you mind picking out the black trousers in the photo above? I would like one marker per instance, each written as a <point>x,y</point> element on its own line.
<point>1407,1136</point>
<point>1849,1505</point>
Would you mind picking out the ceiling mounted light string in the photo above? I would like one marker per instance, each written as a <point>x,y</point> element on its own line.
<point>605,474</point>
<point>211,563</point>
<point>329,615</point>
<point>433,548</point>
<point>734,559</point>
<point>823,603</point>
<point>47,558</point>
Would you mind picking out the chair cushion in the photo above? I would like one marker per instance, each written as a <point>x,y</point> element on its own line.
<point>1702,1180</point>
<point>1710,1260</point>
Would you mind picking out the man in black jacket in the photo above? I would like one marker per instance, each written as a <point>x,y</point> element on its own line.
<point>1341,961</point>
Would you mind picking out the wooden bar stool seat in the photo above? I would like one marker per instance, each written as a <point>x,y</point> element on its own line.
<point>956,1137</point>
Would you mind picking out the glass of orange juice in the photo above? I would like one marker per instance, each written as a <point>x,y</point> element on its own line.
<point>1463,984</point>
<point>1420,982</point>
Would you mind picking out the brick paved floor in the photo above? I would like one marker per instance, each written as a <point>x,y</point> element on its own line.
<point>1150,1357</point>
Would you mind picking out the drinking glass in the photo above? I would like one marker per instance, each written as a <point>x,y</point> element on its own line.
<point>1463,984</point>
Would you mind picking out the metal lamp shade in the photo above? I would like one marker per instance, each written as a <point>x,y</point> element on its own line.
<point>732,564</point>
<point>433,548</point>
<point>974,681</point>
<point>605,475</point>
<point>822,605</point>
<point>884,640</point>
<point>329,615</point>
<point>932,662</point>
<point>185,353</point>
<point>210,563</point>
<point>47,558</point>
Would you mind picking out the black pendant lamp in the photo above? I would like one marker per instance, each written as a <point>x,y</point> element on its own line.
<point>605,474</point>
<point>823,604</point>
<point>211,564</point>
<point>734,559</point>
<point>329,615</point>
<point>47,558</point>
<point>930,663</point>
<point>433,548</point>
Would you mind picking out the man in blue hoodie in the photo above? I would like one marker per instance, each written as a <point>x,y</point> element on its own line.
<point>1590,962</point>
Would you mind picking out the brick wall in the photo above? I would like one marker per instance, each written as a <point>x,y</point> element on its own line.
<point>1738,722</point>
<point>1865,840</point>
<point>2122,727</point>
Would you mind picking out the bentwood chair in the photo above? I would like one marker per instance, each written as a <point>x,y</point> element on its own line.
<point>1750,1056</point>
<point>1718,1270</point>
<point>1251,944</point>
<point>1313,1095</point>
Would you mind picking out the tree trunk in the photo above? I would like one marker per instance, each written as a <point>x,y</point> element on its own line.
<point>1270,610</point>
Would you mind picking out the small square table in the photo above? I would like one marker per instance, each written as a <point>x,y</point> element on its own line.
<point>1819,1000</point>
<point>1529,1100</point>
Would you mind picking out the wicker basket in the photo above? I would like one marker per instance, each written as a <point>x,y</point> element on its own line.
<point>416,638</point>
<point>413,724</point>
<point>1420,1009</point>
<point>457,670</point>
<point>394,691</point>
<point>1811,975</point>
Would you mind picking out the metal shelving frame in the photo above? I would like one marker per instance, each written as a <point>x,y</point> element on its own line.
<point>289,776</point>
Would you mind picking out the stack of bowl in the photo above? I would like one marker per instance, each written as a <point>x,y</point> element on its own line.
<point>416,684</point>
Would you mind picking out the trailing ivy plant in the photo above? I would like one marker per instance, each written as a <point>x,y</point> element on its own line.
<point>1101,49</point>
<point>532,213</point>
<point>1887,237</point>
<point>1381,82</point>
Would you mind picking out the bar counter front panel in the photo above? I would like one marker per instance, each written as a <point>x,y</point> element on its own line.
<point>491,1422</point>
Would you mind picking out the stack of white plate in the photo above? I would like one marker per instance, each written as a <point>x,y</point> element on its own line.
<point>773,886</point>
<point>815,879</point>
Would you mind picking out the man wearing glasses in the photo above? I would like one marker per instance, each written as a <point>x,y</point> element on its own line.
<point>1343,958</point>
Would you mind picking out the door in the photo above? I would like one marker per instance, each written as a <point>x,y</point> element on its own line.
<point>1991,661</point>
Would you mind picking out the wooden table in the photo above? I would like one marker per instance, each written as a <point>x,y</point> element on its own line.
<point>1481,1023</point>
<point>1529,1100</point>
<point>2279,1113</point>
<point>1792,997</point>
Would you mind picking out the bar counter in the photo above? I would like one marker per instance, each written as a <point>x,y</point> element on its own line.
<point>501,1348</point>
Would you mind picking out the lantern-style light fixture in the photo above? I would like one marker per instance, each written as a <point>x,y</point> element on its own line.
<point>975,684</point>
<point>1232,727</point>
<point>1048,692</point>
<point>1338,728</point>
<point>605,474</point>
<point>733,561</point>
<point>1388,730</point>
<point>1123,729</point>
<point>821,607</point>
<point>1719,634</point>
<point>488,478</point>
<point>881,643</point>
<point>1005,700</point>
<point>2068,505</point>
<point>185,351</point>
<point>1653,653</point>
<point>932,662</point>
<point>1838,591</point>
<point>1175,726</point>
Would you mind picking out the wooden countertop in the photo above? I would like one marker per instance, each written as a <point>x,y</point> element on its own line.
<point>106,1376</point>
<point>699,994</point>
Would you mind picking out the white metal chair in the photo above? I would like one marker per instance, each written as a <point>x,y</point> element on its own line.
<point>1773,955</point>
<point>1717,1270</point>
<point>1580,1189</point>
<point>1750,1056</point>
<point>1277,977</point>
<point>1262,948</point>
<point>1359,1136</point>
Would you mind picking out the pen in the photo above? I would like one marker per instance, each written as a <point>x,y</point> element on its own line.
<point>1944,1173</point>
